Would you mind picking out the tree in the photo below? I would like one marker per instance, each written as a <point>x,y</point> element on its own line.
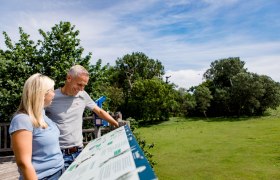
<point>134,67</point>
<point>184,102</point>
<point>271,96</point>
<point>131,68</point>
<point>202,98</point>
<point>245,92</point>
<point>237,92</point>
<point>60,49</point>
<point>102,85</point>
<point>53,56</point>
<point>17,63</point>
<point>150,100</point>
<point>221,71</point>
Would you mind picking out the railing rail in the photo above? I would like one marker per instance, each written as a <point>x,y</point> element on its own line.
<point>5,140</point>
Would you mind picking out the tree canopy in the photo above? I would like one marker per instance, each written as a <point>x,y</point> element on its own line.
<point>238,92</point>
<point>134,85</point>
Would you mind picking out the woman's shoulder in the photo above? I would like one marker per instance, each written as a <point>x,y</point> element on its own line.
<point>21,117</point>
<point>21,121</point>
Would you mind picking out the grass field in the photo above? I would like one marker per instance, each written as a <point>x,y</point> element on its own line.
<point>218,148</point>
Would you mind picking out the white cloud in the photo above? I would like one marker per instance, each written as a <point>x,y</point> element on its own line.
<point>185,78</point>
<point>265,65</point>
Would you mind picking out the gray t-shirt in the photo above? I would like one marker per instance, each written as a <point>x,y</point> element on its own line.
<point>67,113</point>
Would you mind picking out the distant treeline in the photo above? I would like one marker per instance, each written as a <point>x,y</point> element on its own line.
<point>135,85</point>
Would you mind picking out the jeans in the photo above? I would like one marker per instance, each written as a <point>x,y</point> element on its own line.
<point>69,158</point>
<point>54,176</point>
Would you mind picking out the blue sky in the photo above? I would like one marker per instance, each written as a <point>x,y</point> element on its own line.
<point>185,35</point>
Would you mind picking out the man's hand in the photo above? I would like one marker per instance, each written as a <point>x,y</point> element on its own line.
<point>106,116</point>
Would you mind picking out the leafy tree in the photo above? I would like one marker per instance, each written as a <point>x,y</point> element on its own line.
<point>219,81</point>
<point>134,67</point>
<point>245,91</point>
<point>202,98</point>
<point>99,79</point>
<point>220,104</point>
<point>185,103</point>
<point>271,96</point>
<point>150,100</point>
<point>52,56</point>
<point>238,92</point>
<point>17,63</point>
<point>129,69</point>
<point>102,85</point>
<point>221,71</point>
<point>61,49</point>
<point>252,94</point>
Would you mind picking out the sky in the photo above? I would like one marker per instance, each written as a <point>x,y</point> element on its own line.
<point>184,35</point>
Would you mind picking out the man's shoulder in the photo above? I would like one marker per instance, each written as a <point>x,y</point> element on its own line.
<point>83,94</point>
<point>59,95</point>
<point>57,92</point>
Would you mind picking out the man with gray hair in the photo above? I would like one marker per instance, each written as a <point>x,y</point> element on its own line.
<point>67,110</point>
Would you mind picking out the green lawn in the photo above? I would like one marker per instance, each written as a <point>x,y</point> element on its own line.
<point>247,148</point>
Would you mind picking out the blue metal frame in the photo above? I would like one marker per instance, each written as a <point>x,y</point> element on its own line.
<point>97,120</point>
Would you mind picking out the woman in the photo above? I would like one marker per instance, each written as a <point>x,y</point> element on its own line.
<point>34,136</point>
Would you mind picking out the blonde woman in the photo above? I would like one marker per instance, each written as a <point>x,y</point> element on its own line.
<point>34,136</point>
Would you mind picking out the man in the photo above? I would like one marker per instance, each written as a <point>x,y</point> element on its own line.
<point>67,110</point>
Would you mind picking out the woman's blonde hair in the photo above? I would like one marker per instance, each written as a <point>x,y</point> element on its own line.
<point>33,96</point>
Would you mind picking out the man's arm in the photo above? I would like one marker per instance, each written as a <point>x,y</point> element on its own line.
<point>106,116</point>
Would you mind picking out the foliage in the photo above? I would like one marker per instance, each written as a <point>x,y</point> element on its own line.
<point>142,143</point>
<point>271,96</point>
<point>221,71</point>
<point>17,63</point>
<point>150,100</point>
<point>116,98</point>
<point>59,50</point>
<point>237,92</point>
<point>52,56</point>
<point>202,98</point>
<point>130,71</point>
<point>136,66</point>
<point>244,93</point>
<point>184,103</point>
<point>134,85</point>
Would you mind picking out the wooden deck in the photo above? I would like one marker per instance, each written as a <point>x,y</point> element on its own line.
<point>8,168</point>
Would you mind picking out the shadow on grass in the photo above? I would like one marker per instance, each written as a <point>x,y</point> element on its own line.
<point>223,119</point>
<point>211,119</point>
<point>269,113</point>
<point>151,123</point>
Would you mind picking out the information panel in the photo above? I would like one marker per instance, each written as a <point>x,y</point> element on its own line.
<point>115,155</point>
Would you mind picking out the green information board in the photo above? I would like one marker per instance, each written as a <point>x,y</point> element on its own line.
<point>115,155</point>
